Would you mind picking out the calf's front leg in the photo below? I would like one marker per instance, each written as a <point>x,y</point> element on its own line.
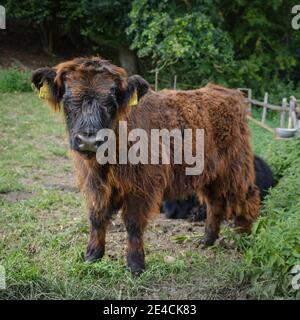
<point>98,224</point>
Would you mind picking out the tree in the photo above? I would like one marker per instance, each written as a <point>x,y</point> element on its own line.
<point>180,36</point>
<point>40,13</point>
<point>265,45</point>
<point>102,22</point>
<point>105,22</point>
<point>234,42</point>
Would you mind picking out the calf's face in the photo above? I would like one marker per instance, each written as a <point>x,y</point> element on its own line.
<point>93,94</point>
<point>90,104</point>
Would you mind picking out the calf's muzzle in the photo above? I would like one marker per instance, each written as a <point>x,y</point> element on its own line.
<point>86,143</point>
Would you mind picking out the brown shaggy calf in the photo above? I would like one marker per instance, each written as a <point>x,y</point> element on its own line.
<point>95,94</point>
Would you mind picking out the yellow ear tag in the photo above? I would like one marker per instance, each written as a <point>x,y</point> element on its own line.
<point>134,99</point>
<point>44,91</point>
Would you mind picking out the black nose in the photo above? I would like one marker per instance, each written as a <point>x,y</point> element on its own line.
<point>85,142</point>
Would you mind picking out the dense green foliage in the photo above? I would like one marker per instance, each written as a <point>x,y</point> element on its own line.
<point>265,45</point>
<point>273,248</point>
<point>105,20</point>
<point>239,42</point>
<point>14,80</point>
<point>220,41</point>
<point>182,39</point>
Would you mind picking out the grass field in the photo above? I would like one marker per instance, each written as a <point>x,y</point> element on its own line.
<point>44,228</point>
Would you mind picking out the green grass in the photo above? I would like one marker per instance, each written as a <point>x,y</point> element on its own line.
<point>273,248</point>
<point>14,80</point>
<point>44,229</point>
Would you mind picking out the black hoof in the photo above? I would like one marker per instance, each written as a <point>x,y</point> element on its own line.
<point>136,268</point>
<point>93,255</point>
<point>207,241</point>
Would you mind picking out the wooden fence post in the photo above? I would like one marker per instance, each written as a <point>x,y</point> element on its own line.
<point>282,114</point>
<point>175,82</point>
<point>295,116</point>
<point>249,100</point>
<point>156,79</point>
<point>265,108</point>
<point>292,115</point>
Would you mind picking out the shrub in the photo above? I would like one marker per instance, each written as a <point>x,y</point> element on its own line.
<point>273,248</point>
<point>14,80</point>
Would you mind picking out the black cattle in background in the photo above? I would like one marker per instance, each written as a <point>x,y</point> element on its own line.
<point>191,209</point>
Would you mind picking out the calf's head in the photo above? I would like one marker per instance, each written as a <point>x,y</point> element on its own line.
<point>93,94</point>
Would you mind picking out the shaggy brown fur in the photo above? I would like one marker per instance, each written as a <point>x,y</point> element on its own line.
<point>227,183</point>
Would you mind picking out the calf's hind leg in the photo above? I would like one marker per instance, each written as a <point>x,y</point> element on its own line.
<point>135,221</point>
<point>249,211</point>
<point>215,214</point>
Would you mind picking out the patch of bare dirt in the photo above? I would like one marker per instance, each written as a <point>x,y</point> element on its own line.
<point>25,60</point>
<point>196,288</point>
<point>15,196</point>
<point>170,237</point>
<point>61,178</point>
<point>162,236</point>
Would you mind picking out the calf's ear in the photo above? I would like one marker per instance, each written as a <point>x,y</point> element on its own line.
<point>44,80</point>
<point>139,84</point>
<point>137,87</point>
